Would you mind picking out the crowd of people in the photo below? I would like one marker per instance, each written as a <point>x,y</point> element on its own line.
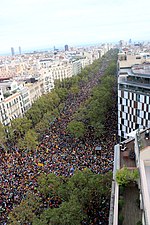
<point>59,153</point>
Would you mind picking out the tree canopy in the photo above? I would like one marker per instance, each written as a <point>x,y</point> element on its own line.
<point>77,195</point>
<point>76,128</point>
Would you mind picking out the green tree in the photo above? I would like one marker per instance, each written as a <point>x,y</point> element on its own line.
<point>86,186</point>
<point>76,128</point>
<point>61,107</point>
<point>62,93</point>
<point>111,69</point>
<point>45,104</point>
<point>48,184</point>
<point>18,128</point>
<point>26,211</point>
<point>74,90</point>
<point>34,114</point>
<point>41,126</point>
<point>69,213</point>
<point>30,140</point>
<point>100,102</point>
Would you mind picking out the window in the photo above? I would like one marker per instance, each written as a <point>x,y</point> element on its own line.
<point>122,121</point>
<point>122,108</point>
<point>136,126</point>
<point>122,134</point>
<point>137,112</point>
<point>121,101</point>
<point>120,127</point>
<point>138,98</point>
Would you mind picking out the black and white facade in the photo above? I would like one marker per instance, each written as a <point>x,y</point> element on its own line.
<point>133,99</point>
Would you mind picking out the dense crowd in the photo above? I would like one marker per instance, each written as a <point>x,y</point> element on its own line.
<point>59,153</point>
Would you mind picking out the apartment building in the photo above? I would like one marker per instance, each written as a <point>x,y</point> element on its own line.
<point>133,93</point>
<point>10,108</point>
<point>24,97</point>
<point>76,67</point>
<point>16,99</point>
<point>47,79</point>
<point>3,115</point>
<point>61,71</point>
<point>35,89</point>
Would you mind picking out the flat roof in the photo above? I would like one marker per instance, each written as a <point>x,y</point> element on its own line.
<point>141,70</point>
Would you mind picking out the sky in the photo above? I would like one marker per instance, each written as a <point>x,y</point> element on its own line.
<point>34,24</point>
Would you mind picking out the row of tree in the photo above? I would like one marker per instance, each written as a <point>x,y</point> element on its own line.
<point>93,112</point>
<point>65,201</point>
<point>26,131</point>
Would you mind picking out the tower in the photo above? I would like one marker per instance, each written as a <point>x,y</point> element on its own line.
<point>66,48</point>
<point>19,50</point>
<point>130,41</point>
<point>12,51</point>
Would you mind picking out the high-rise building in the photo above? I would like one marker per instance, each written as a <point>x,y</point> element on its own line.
<point>12,51</point>
<point>130,41</point>
<point>66,48</point>
<point>133,94</point>
<point>19,50</point>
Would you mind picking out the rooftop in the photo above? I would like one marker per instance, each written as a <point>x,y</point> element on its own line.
<point>141,69</point>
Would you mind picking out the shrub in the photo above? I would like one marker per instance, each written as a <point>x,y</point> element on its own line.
<point>139,223</point>
<point>124,176</point>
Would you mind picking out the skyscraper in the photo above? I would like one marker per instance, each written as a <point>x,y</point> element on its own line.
<point>130,41</point>
<point>66,48</point>
<point>12,51</point>
<point>19,50</point>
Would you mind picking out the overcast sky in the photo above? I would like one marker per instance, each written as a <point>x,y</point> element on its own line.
<point>45,23</point>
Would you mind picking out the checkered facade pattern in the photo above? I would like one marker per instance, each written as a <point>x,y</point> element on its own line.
<point>133,112</point>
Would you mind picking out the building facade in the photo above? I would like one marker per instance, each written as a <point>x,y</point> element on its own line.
<point>133,94</point>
